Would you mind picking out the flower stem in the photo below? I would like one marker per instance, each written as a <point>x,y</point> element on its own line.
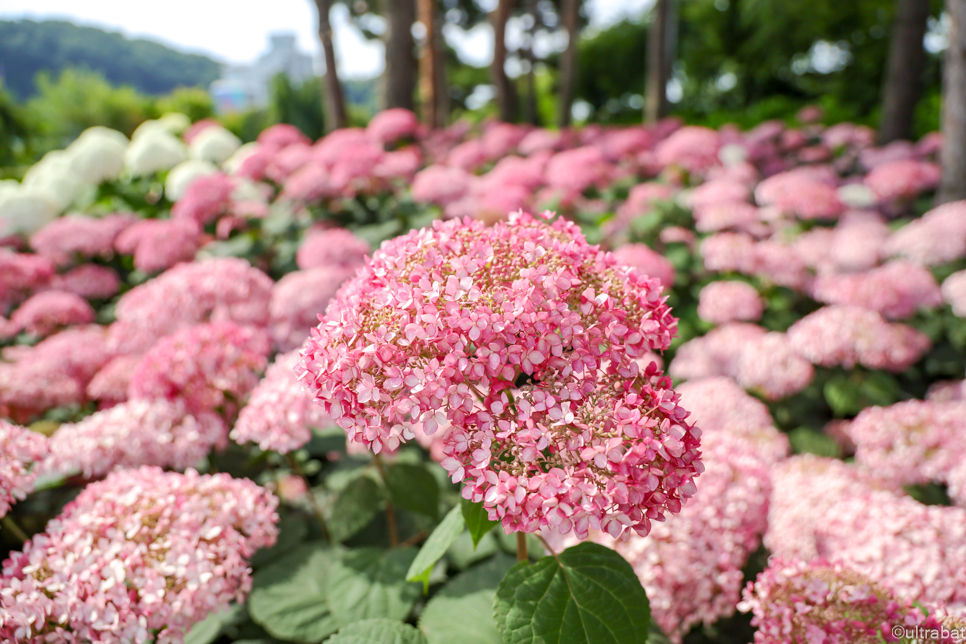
<point>522,546</point>
<point>316,508</point>
<point>390,511</point>
<point>14,529</point>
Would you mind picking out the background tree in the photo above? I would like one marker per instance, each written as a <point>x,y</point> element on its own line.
<point>953,185</point>
<point>658,61</point>
<point>335,105</point>
<point>505,90</point>
<point>570,20</point>
<point>903,78</point>
<point>401,67</point>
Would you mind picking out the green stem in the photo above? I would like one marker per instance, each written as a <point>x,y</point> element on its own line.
<point>14,529</point>
<point>522,546</point>
<point>390,511</point>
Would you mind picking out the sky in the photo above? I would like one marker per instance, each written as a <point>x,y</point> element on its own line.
<point>218,29</point>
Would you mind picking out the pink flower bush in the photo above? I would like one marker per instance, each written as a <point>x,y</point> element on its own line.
<point>821,601</point>
<point>281,412</point>
<point>389,126</point>
<point>297,301</point>
<point>848,335</point>
<point>694,149</point>
<point>531,359</point>
<point>134,433</point>
<point>158,244</point>
<point>21,273</point>
<point>724,301</point>
<point>896,290</point>
<point>20,450</point>
<point>911,442</point>
<point>110,384</point>
<point>332,247</point>
<point>139,557</point>
<point>647,262</point>
<point>691,564</point>
<point>440,185</point>
<point>89,281</point>
<point>903,179</point>
<point>715,353</point>
<point>79,236</point>
<point>772,368</point>
<point>954,292</point>
<point>574,171</point>
<point>939,236</point>
<point>205,199</point>
<point>207,366</point>
<point>211,290</point>
<point>802,192</point>
<point>48,311</point>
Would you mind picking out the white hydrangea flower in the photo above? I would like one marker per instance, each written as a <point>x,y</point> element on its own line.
<point>235,161</point>
<point>153,150</point>
<point>856,195</point>
<point>55,178</point>
<point>247,190</point>
<point>732,154</point>
<point>25,210</point>
<point>175,122</point>
<point>98,154</point>
<point>214,144</point>
<point>183,174</point>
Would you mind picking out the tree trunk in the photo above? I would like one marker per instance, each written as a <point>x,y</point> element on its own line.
<point>531,106</point>
<point>428,62</point>
<point>505,94</point>
<point>334,103</point>
<point>903,79</point>
<point>401,70</point>
<point>442,82</point>
<point>655,90</point>
<point>953,185</point>
<point>569,17</point>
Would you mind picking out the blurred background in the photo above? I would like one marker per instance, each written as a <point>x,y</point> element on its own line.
<point>65,66</point>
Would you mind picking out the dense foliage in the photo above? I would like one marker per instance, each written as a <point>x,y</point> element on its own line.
<point>255,473</point>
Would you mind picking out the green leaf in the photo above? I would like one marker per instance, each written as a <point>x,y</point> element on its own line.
<point>413,488</point>
<point>808,441</point>
<point>354,507</point>
<point>289,598</point>
<point>477,520</point>
<point>462,611</point>
<point>462,554</point>
<point>205,631</point>
<point>371,582</point>
<point>436,546</point>
<point>292,531</point>
<point>588,594</point>
<point>378,631</point>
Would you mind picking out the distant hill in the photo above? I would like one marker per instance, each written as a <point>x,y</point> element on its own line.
<point>28,47</point>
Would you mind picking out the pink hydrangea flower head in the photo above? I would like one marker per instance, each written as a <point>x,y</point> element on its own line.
<point>329,149</point>
<point>871,158</point>
<point>282,135</point>
<point>205,199</point>
<point>287,160</point>
<point>896,290</point>
<point>524,338</point>
<point>730,301</point>
<point>540,140</point>
<point>499,139</point>
<point>211,290</point>
<point>207,365</point>
<point>726,252</point>
<point>642,197</point>
<point>139,557</point>
<point>715,353</point>
<point>810,114</point>
<point>691,564</point>
<point>79,236</point>
<point>310,183</point>
<point>89,281</point>
<point>903,179</point>
<point>389,126</point>
<point>353,172</point>
<point>21,273</point>
<point>467,156</point>
<point>399,165</point>
<point>625,143</point>
<point>848,335</point>
<point>135,433</point>
<point>772,368</point>
<point>48,311</point>
<point>578,169</point>
<point>110,384</point>
<point>692,148</point>
<point>938,237</point>
<point>647,262</point>
<point>848,135</point>
<point>332,247</point>
<point>911,442</point>
<point>716,192</point>
<point>20,450</point>
<point>794,601</point>
<point>930,145</point>
<point>158,244</point>
<point>441,185</point>
<point>282,412</point>
<point>197,128</point>
<point>297,301</point>
<point>803,192</point>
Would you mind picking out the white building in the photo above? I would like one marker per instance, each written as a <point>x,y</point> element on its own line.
<point>246,86</point>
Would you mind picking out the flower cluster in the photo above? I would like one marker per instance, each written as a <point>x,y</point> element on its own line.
<point>281,412</point>
<point>20,449</point>
<point>138,557</point>
<point>134,433</point>
<point>729,301</point>
<point>532,360</point>
<point>896,290</point>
